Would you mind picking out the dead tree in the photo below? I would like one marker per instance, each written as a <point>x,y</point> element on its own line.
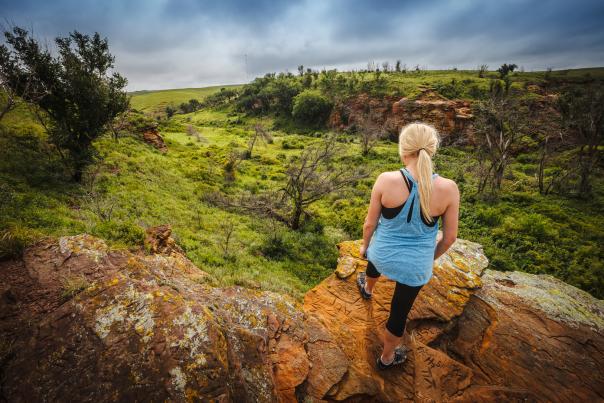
<point>230,167</point>
<point>499,124</point>
<point>583,117</point>
<point>313,175</point>
<point>368,126</point>
<point>260,134</point>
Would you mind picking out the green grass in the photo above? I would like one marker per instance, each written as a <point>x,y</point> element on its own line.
<point>156,101</point>
<point>520,229</point>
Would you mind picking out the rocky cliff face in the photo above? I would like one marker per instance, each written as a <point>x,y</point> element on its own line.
<point>452,118</point>
<point>82,322</point>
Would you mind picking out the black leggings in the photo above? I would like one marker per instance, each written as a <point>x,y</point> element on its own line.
<point>402,301</point>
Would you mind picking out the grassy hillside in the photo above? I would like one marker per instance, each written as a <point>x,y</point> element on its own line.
<point>155,101</point>
<point>133,186</point>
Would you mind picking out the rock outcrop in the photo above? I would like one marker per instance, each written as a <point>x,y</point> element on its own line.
<point>152,137</point>
<point>452,118</point>
<point>82,322</point>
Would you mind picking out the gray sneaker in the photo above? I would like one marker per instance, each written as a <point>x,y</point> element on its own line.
<point>361,280</point>
<point>400,356</point>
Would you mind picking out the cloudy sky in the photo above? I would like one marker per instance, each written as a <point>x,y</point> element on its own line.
<point>192,43</point>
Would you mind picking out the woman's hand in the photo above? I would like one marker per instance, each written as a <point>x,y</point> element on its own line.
<point>363,251</point>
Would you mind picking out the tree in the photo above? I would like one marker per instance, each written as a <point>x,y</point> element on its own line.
<point>170,111</point>
<point>505,69</point>
<point>582,111</point>
<point>260,134</point>
<point>311,108</point>
<point>80,97</point>
<point>10,73</point>
<point>192,105</point>
<point>313,175</point>
<point>397,66</point>
<point>482,70</point>
<point>500,121</point>
<point>369,129</point>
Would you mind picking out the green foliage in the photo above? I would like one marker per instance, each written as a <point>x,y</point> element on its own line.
<point>190,106</point>
<point>14,240</point>
<point>270,94</point>
<point>74,89</point>
<point>519,228</point>
<point>505,69</point>
<point>311,108</point>
<point>125,233</point>
<point>309,255</point>
<point>220,98</point>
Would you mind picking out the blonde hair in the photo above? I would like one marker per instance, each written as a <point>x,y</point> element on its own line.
<point>423,140</point>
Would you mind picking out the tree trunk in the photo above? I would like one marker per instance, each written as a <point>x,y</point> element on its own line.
<point>77,174</point>
<point>295,222</point>
<point>498,175</point>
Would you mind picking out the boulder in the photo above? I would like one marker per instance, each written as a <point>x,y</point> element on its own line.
<point>152,137</point>
<point>158,240</point>
<point>80,321</point>
<point>534,332</point>
<point>143,328</point>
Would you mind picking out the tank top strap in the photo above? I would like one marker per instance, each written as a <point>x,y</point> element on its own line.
<point>412,209</point>
<point>408,175</point>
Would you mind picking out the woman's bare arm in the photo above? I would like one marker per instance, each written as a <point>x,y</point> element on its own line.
<point>450,223</point>
<point>373,214</point>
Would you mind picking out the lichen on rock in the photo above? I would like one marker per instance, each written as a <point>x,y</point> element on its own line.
<point>146,328</point>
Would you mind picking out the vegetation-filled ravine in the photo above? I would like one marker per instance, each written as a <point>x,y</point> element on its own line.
<point>260,181</point>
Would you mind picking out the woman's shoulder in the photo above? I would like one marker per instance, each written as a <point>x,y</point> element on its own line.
<point>388,177</point>
<point>446,185</point>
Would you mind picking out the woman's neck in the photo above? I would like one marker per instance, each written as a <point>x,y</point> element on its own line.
<point>412,168</point>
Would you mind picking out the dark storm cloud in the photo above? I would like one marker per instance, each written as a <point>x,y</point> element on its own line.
<point>162,43</point>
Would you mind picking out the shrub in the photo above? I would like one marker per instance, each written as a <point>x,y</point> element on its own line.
<point>126,233</point>
<point>311,108</point>
<point>489,216</point>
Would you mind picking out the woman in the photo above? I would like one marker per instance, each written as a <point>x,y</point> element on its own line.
<point>404,211</point>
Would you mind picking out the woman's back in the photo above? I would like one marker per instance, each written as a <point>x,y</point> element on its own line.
<point>403,245</point>
<point>395,191</point>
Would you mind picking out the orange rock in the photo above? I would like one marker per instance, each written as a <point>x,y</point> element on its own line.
<point>152,137</point>
<point>358,324</point>
<point>452,118</point>
<point>144,328</point>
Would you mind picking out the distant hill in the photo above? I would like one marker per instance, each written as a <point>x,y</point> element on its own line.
<point>155,101</point>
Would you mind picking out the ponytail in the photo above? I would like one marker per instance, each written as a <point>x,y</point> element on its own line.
<point>424,182</point>
<point>421,139</point>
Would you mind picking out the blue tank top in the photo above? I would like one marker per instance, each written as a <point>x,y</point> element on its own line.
<point>402,248</point>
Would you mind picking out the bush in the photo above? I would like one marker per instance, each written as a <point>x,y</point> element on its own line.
<point>310,256</point>
<point>311,108</point>
<point>126,233</point>
<point>489,216</point>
